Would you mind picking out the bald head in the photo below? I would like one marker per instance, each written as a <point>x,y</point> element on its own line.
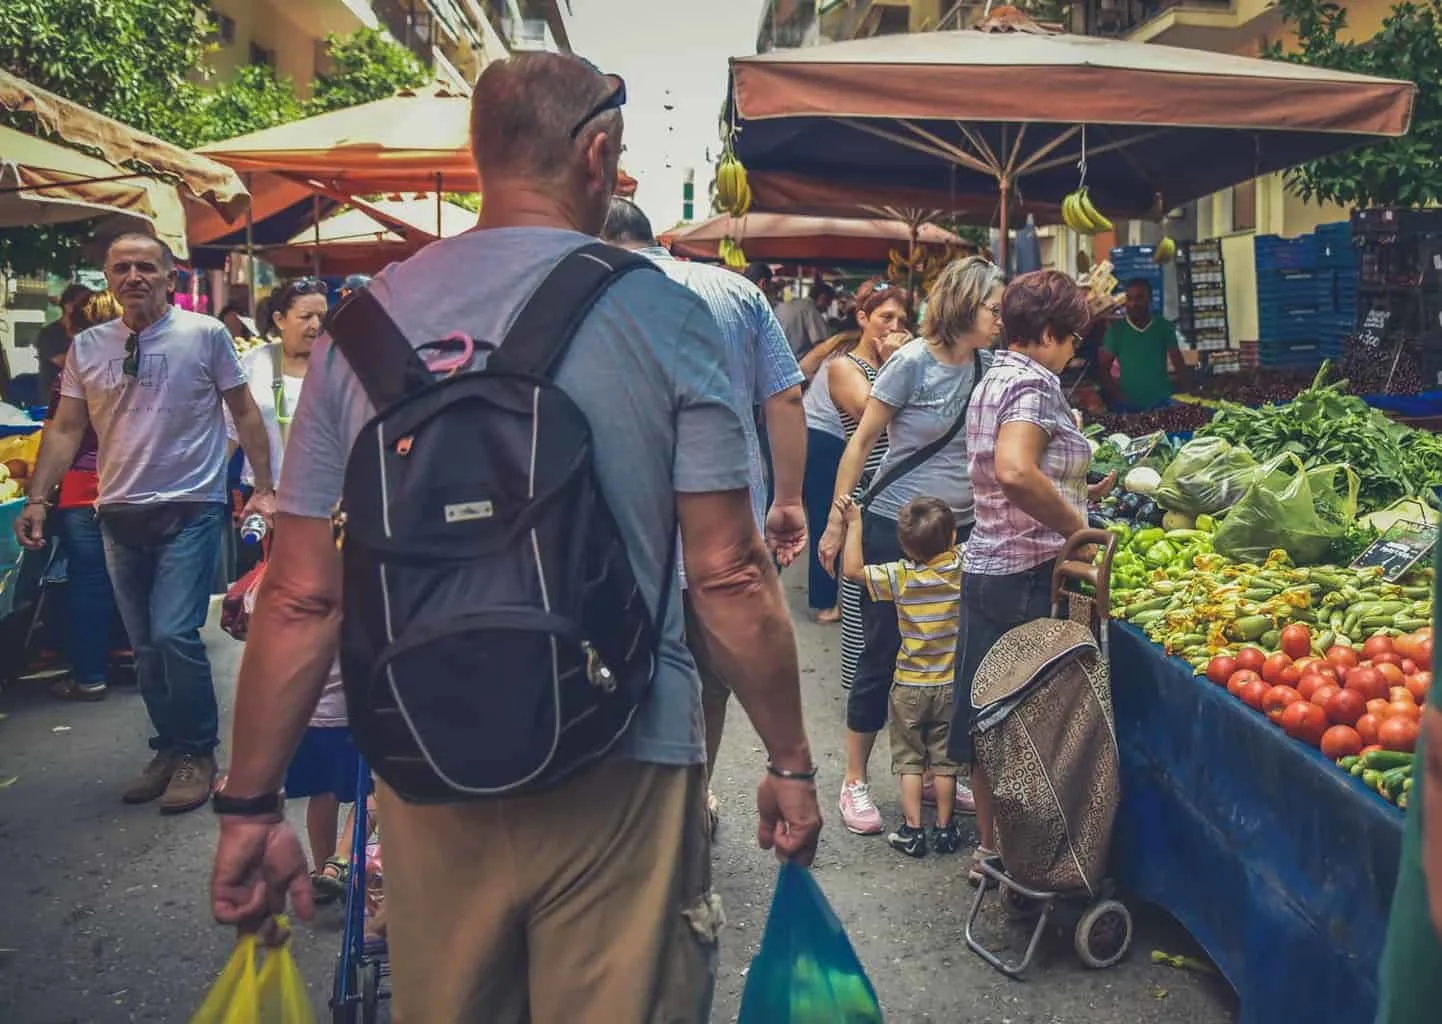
<point>529,115</point>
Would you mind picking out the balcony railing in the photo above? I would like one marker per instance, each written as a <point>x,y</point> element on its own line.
<point>1120,18</point>
<point>413,24</point>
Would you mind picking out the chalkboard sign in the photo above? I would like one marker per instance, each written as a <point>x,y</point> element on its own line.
<point>1374,327</point>
<point>1141,447</point>
<point>1401,547</point>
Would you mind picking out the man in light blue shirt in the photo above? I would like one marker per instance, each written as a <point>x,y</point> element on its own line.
<point>764,375</point>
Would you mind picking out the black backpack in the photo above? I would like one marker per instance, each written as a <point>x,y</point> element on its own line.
<point>494,640</point>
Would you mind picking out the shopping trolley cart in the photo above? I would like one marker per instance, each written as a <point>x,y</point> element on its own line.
<point>361,992</point>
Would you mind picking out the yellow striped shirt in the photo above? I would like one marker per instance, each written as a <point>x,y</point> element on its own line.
<point>928,613</point>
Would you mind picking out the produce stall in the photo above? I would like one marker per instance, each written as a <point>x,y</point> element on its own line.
<point>1274,648</point>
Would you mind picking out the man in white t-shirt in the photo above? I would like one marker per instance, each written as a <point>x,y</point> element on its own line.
<point>152,384</point>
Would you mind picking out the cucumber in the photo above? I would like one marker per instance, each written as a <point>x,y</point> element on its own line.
<point>1347,762</point>
<point>1385,760</point>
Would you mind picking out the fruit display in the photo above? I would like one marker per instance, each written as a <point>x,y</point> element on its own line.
<point>733,191</point>
<point>1081,216</point>
<point>1179,418</point>
<point>731,253</point>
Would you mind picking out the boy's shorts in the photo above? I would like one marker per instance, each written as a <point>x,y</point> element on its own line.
<point>920,727</point>
<point>326,762</point>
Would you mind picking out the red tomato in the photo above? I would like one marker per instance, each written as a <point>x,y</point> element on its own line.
<point>1220,669</point>
<point>1344,707</point>
<point>1339,655</point>
<point>1405,710</point>
<point>1329,670</point>
<point>1305,721</point>
<point>1379,707</point>
<point>1251,658</point>
<point>1324,693</point>
<point>1419,685</point>
<point>1340,741</point>
<point>1390,672</point>
<point>1400,695</point>
<point>1375,645</point>
<point>1398,734</point>
<point>1252,693</point>
<point>1409,667</point>
<point>1367,727</point>
<point>1309,682</point>
<point>1387,658</point>
<point>1303,664</point>
<point>1341,673</point>
<point>1296,640</point>
<point>1276,701</point>
<point>1416,647</point>
<point>1371,747</point>
<point>1291,674</point>
<point>1239,679</point>
<point>1274,666</point>
<point>1367,681</point>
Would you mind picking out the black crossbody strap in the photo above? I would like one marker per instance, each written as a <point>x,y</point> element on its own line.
<point>926,451</point>
<point>388,367</point>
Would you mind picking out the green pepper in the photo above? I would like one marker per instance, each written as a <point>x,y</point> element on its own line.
<point>1160,554</point>
<point>1206,524</point>
<point>1144,539</point>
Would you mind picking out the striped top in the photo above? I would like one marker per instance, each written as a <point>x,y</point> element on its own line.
<point>878,450</point>
<point>928,613</point>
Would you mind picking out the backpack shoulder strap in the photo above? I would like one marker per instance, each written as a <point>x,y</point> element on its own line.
<point>545,326</point>
<point>380,355</point>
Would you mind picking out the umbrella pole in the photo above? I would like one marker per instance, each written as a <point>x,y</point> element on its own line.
<point>315,216</point>
<point>438,204</point>
<point>1003,247</point>
<point>250,247</point>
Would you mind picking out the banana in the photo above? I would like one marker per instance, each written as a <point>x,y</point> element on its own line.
<point>727,190</point>
<point>743,199</point>
<point>1072,216</point>
<point>1166,251</point>
<point>1099,222</point>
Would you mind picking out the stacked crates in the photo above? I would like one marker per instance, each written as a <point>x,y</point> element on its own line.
<point>1306,298</point>
<point>1202,298</point>
<point>1130,262</point>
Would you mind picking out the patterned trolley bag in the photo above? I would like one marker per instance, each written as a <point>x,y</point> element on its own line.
<point>494,640</point>
<point>1046,737</point>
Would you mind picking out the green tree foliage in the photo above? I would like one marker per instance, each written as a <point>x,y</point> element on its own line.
<point>1405,171</point>
<point>365,66</point>
<point>144,62</point>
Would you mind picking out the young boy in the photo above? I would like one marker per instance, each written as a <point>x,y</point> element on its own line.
<point>926,589</point>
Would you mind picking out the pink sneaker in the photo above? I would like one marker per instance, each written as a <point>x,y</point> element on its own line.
<point>965,802</point>
<point>858,812</point>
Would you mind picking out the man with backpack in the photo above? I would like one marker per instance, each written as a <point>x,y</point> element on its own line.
<point>512,640</point>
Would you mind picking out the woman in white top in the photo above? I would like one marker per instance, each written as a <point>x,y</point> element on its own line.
<point>325,764</point>
<point>825,441</point>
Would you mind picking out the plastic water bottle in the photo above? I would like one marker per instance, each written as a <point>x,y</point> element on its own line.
<point>253,529</point>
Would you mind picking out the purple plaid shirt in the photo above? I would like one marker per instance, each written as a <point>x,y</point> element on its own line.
<point>1017,388</point>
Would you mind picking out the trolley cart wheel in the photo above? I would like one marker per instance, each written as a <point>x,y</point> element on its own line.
<point>1103,934</point>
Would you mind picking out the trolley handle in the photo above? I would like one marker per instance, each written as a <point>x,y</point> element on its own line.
<point>1098,575</point>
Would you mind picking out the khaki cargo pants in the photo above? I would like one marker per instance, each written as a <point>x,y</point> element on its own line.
<point>587,904</point>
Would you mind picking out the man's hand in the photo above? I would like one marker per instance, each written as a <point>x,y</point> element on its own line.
<point>30,527</point>
<point>786,531</point>
<point>261,503</point>
<point>790,819</point>
<point>257,863</point>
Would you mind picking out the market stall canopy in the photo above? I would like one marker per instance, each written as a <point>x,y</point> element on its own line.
<point>776,237</point>
<point>417,140</point>
<point>368,235</point>
<point>127,154</point>
<point>42,182</point>
<point>951,116</point>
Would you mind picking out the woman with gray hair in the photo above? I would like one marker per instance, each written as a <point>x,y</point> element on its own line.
<point>919,401</point>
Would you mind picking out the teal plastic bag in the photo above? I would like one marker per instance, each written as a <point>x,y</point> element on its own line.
<point>806,971</point>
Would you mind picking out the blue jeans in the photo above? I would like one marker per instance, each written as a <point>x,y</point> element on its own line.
<point>163,592</point>
<point>94,620</point>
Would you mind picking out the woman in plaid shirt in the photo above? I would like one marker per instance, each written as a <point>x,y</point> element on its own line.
<point>1029,465</point>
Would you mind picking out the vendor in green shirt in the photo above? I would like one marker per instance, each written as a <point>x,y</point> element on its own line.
<point>1143,344</point>
<point>1411,975</point>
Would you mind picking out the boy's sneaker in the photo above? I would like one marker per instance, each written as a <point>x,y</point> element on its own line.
<point>908,840</point>
<point>858,811</point>
<point>946,839</point>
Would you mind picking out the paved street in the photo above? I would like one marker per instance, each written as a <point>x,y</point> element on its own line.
<point>105,915</point>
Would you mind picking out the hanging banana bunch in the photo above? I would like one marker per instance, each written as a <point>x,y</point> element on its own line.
<point>1166,251</point>
<point>733,191</point>
<point>1081,216</point>
<point>731,253</point>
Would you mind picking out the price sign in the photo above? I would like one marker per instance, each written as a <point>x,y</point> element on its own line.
<point>1374,327</point>
<point>1401,547</point>
<point>1141,447</point>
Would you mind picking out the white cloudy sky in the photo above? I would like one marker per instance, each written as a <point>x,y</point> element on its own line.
<point>669,52</point>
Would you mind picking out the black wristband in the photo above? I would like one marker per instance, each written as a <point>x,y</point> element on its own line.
<point>785,773</point>
<point>267,803</point>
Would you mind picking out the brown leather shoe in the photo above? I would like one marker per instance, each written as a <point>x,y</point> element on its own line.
<point>190,785</point>
<point>150,783</point>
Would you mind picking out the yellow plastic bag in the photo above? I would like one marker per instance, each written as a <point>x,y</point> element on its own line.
<point>272,993</point>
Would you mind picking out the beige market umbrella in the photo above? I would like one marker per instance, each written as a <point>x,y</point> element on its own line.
<point>778,237</point>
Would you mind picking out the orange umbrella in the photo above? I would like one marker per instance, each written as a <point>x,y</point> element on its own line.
<point>777,236</point>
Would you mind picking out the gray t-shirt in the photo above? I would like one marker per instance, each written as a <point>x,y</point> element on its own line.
<point>162,431</point>
<point>648,369</point>
<point>928,396</point>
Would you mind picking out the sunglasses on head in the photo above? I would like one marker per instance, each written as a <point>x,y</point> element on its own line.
<point>614,100</point>
<point>308,286</point>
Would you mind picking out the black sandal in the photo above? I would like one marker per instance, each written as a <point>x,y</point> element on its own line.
<point>331,880</point>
